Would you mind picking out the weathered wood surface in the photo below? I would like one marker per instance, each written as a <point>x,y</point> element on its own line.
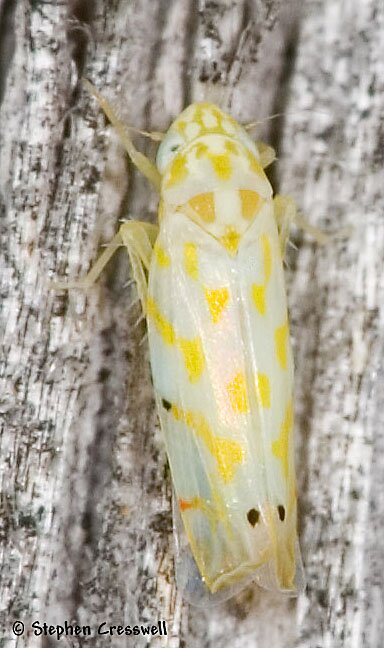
<point>85,524</point>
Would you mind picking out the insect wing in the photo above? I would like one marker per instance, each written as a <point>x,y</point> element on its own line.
<point>210,347</point>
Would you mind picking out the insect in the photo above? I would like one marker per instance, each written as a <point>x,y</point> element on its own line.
<point>210,280</point>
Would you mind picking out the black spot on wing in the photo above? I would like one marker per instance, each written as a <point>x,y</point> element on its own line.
<point>253,516</point>
<point>166,404</point>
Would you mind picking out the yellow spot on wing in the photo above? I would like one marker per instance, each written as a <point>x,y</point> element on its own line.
<point>161,256</point>
<point>204,206</point>
<point>281,342</point>
<point>217,300</point>
<point>192,351</point>
<point>231,240</point>
<point>258,294</point>
<point>263,389</point>
<point>259,290</point>
<point>280,447</point>
<point>237,391</point>
<point>164,327</point>
<point>190,260</point>
<point>227,452</point>
<point>267,257</point>
<point>250,203</point>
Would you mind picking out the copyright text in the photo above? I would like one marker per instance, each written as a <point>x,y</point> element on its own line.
<point>73,630</point>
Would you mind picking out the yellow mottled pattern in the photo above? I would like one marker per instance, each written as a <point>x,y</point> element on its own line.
<point>227,452</point>
<point>280,447</point>
<point>181,125</point>
<point>192,351</point>
<point>161,256</point>
<point>237,392</point>
<point>231,147</point>
<point>281,343</point>
<point>209,119</point>
<point>200,149</point>
<point>178,170</point>
<point>231,240</point>
<point>217,299</point>
<point>221,164</point>
<point>263,389</point>
<point>204,206</point>
<point>250,203</point>
<point>259,290</point>
<point>191,265</point>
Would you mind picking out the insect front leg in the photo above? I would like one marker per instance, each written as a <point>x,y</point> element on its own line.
<point>285,214</point>
<point>141,162</point>
<point>138,238</point>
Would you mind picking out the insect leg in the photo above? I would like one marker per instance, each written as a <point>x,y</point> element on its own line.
<point>147,168</point>
<point>267,154</point>
<point>285,214</point>
<point>138,238</point>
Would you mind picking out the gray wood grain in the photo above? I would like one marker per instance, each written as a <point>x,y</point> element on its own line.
<point>85,526</point>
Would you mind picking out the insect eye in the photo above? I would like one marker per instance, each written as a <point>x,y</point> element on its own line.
<point>168,149</point>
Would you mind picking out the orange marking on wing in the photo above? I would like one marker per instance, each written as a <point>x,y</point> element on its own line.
<point>194,503</point>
